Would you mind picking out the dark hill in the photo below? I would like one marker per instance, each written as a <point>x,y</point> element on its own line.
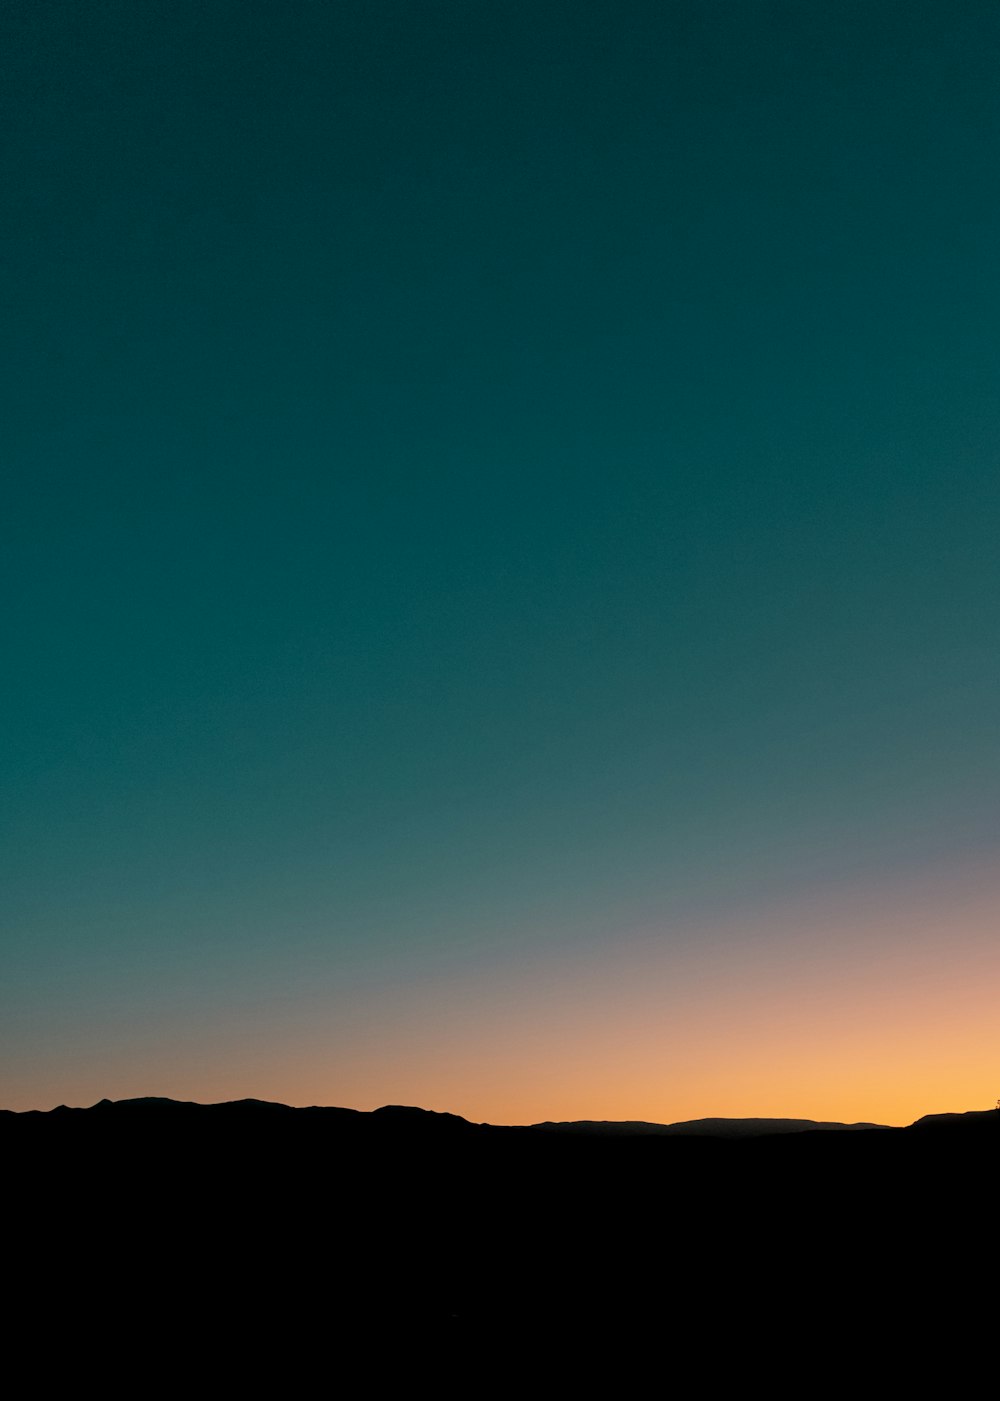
<point>266,1238</point>
<point>709,1128</point>
<point>980,1121</point>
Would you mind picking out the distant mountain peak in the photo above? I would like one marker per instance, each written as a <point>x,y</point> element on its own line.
<point>413,1114</point>
<point>706,1128</point>
<point>970,1119</point>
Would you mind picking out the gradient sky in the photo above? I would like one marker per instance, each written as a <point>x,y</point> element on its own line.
<point>500,520</point>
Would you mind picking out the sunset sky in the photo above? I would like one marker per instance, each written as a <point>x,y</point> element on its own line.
<point>500,516</point>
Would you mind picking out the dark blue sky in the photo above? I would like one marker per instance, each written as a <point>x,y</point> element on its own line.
<point>479,478</point>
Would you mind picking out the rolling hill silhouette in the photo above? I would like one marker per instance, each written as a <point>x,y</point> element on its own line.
<point>710,1128</point>
<point>267,1234</point>
<point>414,1118</point>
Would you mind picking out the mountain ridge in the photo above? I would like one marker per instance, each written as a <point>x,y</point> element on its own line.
<point>708,1127</point>
<point>414,1116</point>
<point>279,1219</point>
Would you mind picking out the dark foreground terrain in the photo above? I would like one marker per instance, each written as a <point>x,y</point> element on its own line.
<point>248,1244</point>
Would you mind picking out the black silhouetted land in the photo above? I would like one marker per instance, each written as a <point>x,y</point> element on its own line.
<point>272,1235</point>
<point>704,1128</point>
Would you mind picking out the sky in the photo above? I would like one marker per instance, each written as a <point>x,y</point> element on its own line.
<point>499,520</point>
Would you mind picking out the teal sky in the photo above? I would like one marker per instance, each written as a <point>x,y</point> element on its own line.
<point>479,480</point>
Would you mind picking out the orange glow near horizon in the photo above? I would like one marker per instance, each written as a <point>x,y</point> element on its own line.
<point>876,1007</point>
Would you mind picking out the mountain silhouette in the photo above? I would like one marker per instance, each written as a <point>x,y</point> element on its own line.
<point>412,1119</point>
<point>266,1238</point>
<point>713,1128</point>
<point>972,1121</point>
